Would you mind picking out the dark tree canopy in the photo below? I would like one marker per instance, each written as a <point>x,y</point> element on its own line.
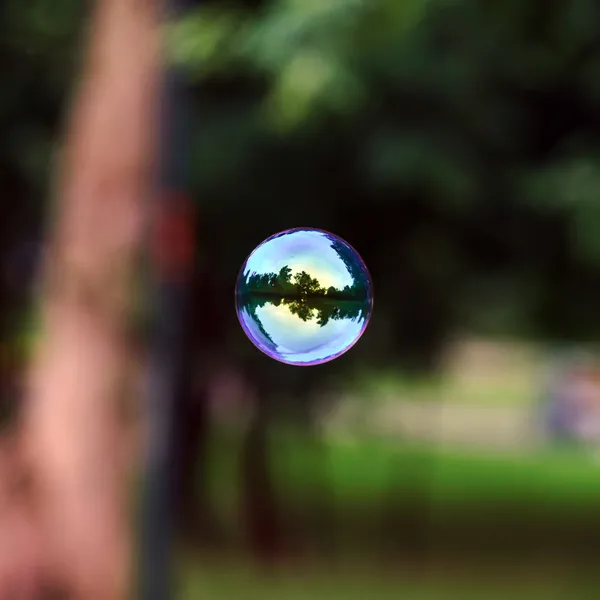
<point>454,144</point>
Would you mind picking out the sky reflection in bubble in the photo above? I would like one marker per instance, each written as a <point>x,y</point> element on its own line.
<point>304,296</point>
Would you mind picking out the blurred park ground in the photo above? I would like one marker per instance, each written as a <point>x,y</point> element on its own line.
<point>455,451</point>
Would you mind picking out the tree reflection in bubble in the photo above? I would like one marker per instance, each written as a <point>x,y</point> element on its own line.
<point>304,296</point>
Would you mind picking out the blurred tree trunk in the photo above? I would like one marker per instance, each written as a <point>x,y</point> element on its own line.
<point>193,510</point>
<point>260,507</point>
<point>71,426</point>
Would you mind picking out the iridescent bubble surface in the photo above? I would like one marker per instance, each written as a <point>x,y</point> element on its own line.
<point>304,296</point>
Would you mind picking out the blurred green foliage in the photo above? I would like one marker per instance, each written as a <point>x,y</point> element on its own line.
<point>454,143</point>
<point>38,57</point>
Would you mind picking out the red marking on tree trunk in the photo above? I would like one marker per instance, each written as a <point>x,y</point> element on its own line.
<point>173,240</point>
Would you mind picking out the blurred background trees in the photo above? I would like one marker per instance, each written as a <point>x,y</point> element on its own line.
<point>454,144</point>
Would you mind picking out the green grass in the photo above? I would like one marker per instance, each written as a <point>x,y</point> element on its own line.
<point>363,470</point>
<point>239,582</point>
<point>454,477</point>
<point>550,485</point>
<point>545,503</point>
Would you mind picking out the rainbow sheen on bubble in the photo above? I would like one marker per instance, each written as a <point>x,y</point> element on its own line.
<point>304,296</point>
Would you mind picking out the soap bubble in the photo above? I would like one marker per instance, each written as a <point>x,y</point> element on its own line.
<point>304,296</point>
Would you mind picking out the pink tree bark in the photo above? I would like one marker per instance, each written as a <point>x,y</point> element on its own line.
<point>74,525</point>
